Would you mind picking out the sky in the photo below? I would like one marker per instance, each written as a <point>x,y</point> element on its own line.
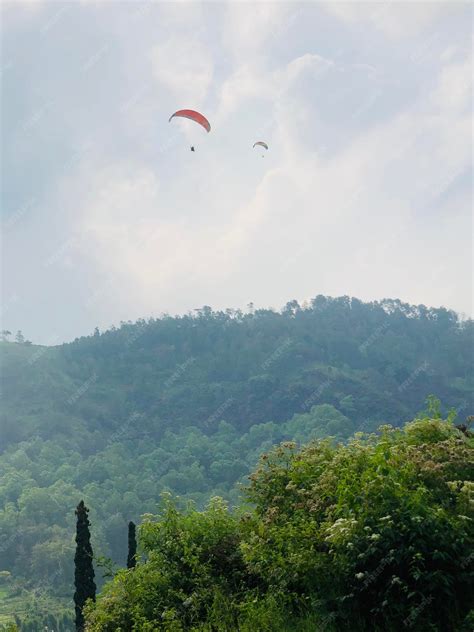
<point>107,216</point>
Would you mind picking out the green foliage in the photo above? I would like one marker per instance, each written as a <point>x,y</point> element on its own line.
<point>388,520</point>
<point>194,565</point>
<point>187,405</point>
<point>373,535</point>
<point>57,623</point>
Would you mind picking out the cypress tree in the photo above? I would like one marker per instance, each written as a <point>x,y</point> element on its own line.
<point>132,546</point>
<point>84,570</point>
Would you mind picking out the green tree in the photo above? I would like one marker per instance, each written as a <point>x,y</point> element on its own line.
<point>194,567</point>
<point>375,534</point>
<point>132,546</point>
<point>84,568</point>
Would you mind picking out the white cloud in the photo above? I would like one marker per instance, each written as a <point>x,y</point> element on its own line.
<point>341,217</point>
<point>248,29</point>
<point>184,66</point>
<point>357,194</point>
<point>245,84</point>
<point>395,18</point>
<point>353,219</point>
<point>455,86</point>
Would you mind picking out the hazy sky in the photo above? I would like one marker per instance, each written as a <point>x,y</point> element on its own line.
<point>108,216</point>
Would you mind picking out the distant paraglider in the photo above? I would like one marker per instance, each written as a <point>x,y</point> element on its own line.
<point>260,143</point>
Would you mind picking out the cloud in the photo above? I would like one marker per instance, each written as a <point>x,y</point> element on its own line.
<point>248,32</point>
<point>185,67</point>
<point>362,192</point>
<point>454,91</point>
<point>340,216</point>
<point>245,84</point>
<point>395,18</point>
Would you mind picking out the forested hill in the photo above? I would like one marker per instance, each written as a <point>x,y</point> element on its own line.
<point>188,404</point>
<point>373,362</point>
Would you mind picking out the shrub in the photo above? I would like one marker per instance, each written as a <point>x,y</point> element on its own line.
<point>373,535</point>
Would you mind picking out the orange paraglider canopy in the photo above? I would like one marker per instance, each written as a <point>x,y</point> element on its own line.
<point>194,116</point>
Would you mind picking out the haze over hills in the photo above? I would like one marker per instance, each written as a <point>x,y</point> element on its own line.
<point>177,371</point>
<point>188,403</point>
